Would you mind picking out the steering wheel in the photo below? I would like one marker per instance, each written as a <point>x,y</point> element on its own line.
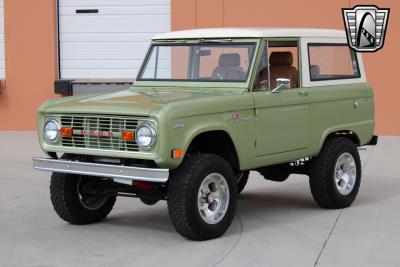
<point>237,69</point>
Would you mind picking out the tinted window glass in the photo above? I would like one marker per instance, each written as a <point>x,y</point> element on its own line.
<point>332,61</point>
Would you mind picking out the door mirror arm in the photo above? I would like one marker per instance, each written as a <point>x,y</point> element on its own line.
<point>281,83</point>
<point>277,89</point>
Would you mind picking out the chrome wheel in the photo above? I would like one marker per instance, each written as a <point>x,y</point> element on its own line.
<point>213,198</point>
<point>89,201</point>
<point>345,173</point>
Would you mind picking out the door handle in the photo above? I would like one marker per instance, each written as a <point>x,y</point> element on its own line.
<point>86,11</point>
<point>305,93</point>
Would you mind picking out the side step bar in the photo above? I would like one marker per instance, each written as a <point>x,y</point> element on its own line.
<point>120,174</point>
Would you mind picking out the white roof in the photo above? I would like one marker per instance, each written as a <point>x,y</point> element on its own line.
<point>250,33</point>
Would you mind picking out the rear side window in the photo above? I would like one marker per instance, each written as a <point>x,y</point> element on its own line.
<point>332,62</point>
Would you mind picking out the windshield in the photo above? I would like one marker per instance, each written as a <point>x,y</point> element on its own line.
<point>227,62</point>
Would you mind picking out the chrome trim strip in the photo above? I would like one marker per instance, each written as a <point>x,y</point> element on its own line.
<point>126,173</point>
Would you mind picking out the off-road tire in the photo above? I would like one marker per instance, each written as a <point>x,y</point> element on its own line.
<point>242,181</point>
<point>322,168</point>
<point>184,184</point>
<point>65,199</point>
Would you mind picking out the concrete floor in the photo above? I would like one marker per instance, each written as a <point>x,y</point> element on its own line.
<point>277,224</point>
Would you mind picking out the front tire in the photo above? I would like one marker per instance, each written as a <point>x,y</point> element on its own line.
<point>202,197</point>
<point>241,180</point>
<point>335,175</point>
<point>73,204</point>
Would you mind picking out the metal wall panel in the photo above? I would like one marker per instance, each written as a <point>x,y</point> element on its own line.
<point>111,41</point>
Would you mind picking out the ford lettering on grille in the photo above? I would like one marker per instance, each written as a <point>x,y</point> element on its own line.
<point>94,133</point>
<point>99,132</point>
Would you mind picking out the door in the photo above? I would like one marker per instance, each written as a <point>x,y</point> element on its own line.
<point>282,114</point>
<point>108,39</point>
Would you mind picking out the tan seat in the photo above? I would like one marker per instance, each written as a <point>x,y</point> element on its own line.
<point>229,68</point>
<point>281,67</point>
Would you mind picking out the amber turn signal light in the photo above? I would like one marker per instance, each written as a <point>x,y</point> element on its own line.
<point>127,135</point>
<point>177,153</point>
<point>66,132</point>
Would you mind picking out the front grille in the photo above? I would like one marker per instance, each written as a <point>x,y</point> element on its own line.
<point>99,132</point>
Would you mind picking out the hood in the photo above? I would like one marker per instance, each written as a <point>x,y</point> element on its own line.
<point>129,102</point>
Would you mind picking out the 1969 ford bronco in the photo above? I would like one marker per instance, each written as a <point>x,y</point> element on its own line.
<point>207,107</point>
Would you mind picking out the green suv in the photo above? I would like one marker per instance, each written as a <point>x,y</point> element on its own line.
<point>207,107</point>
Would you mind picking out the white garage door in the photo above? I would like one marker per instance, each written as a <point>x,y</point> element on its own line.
<point>2,66</point>
<point>108,39</point>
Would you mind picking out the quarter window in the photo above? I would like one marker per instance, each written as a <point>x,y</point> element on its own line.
<point>331,62</point>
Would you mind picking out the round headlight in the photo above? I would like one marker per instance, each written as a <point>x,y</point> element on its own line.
<point>51,130</point>
<point>145,136</point>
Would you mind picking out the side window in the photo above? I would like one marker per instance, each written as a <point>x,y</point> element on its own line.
<point>279,61</point>
<point>284,63</point>
<point>331,62</point>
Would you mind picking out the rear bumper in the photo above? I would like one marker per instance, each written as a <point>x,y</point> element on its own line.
<point>120,174</point>
<point>373,141</point>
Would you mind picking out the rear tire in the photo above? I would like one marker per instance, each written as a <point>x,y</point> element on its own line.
<point>74,207</point>
<point>202,197</point>
<point>335,175</point>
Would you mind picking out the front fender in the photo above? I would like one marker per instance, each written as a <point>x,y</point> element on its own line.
<point>182,131</point>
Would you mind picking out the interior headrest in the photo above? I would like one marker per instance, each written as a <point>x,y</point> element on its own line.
<point>229,60</point>
<point>281,58</point>
<point>314,71</point>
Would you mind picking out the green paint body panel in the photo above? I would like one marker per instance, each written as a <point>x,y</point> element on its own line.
<point>272,127</point>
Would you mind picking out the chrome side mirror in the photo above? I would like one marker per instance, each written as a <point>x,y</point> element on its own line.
<point>281,83</point>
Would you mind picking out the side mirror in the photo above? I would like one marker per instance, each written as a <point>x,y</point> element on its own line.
<point>281,83</point>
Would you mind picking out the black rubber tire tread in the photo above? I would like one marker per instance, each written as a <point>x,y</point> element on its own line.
<point>65,199</point>
<point>184,183</point>
<point>322,182</point>
<point>241,184</point>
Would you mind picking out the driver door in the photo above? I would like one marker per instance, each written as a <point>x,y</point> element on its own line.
<point>281,115</point>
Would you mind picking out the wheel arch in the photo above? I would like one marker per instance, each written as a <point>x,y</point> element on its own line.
<point>349,134</point>
<point>215,141</point>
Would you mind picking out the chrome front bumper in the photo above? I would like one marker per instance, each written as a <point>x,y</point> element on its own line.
<point>120,174</point>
